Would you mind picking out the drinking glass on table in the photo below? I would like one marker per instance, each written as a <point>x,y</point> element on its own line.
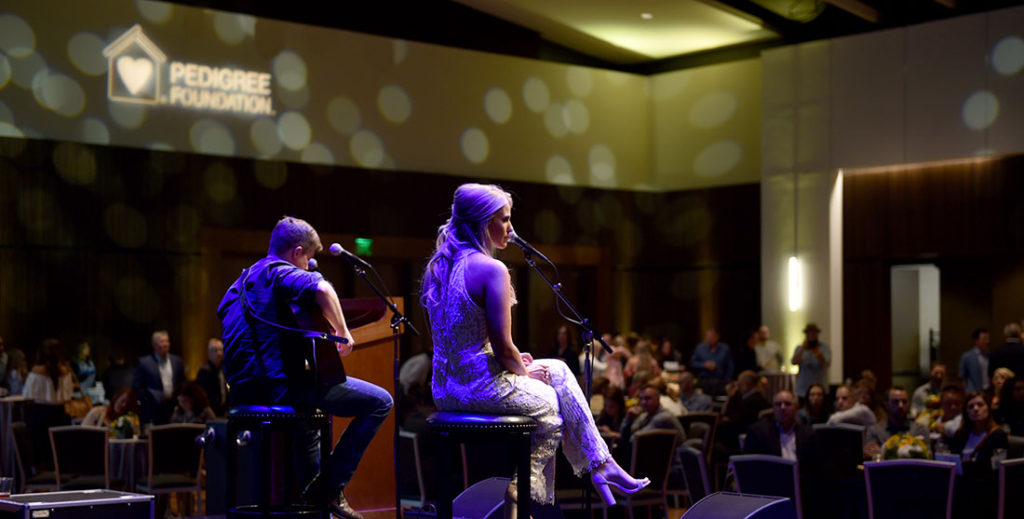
<point>6,487</point>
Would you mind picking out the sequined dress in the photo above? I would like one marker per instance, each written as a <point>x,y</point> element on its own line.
<point>468,377</point>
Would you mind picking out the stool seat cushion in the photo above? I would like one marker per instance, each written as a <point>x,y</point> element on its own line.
<point>463,421</point>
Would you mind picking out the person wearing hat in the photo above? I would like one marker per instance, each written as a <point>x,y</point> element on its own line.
<point>813,358</point>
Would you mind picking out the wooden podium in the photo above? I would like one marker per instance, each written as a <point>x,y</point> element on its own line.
<point>373,485</point>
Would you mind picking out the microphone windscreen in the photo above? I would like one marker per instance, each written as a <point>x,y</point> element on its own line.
<point>336,249</point>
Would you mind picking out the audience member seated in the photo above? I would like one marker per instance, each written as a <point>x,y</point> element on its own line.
<point>565,348</point>
<point>193,405</point>
<point>850,406</point>
<point>741,410</point>
<point>1011,412</point>
<point>614,410</point>
<point>641,367</point>
<point>123,403</point>
<point>977,442</point>
<point>615,362</point>
<point>599,356</point>
<point>648,415</point>
<point>712,363</point>
<point>897,422</point>
<point>784,435</point>
<point>667,352</point>
<point>669,401</point>
<point>951,406</point>
<point>817,409</point>
<point>999,378</point>
<point>17,371</point>
<point>692,398</point>
<point>85,371</point>
<point>211,377</point>
<point>932,388</point>
<point>50,379</point>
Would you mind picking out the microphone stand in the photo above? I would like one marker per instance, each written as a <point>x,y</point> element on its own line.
<point>587,335</point>
<point>397,320</point>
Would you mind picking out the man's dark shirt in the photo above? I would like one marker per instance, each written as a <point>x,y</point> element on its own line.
<point>764,437</point>
<point>1010,355</point>
<point>255,351</point>
<point>209,378</point>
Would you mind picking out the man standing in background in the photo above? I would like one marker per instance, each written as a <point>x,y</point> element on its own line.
<point>974,362</point>
<point>155,379</point>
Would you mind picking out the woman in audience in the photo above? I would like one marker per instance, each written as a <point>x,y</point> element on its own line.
<point>50,380</point>
<point>123,403</point>
<point>614,410</point>
<point>85,371</point>
<point>817,409</point>
<point>17,370</point>
<point>641,367</point>
<point>979,439</point>
<point>564,348</point>
<point>193,405</point>
<point>999,378</point>
<point>1011,412</point>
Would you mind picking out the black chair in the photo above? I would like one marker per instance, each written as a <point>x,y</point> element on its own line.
<point>705,434</point>
<point>253,426</point>
<point>899,489</point>
<point>1011,476</point>
<point>81,457</point>
<point>32,476</point>
<point>451,428</point>
<point>841,448</point>
<point>768,475</point>
<point>175,456</point>
<point>1016,447</point>
<point>653,452</point>
<point>695,474</point>
<point>411,487</point>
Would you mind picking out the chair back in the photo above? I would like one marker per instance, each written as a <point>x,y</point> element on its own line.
<point>767,475</point>
<point>695,473</point>
<point>909,488</point>
<point>653,452</point>
<point>173,449</point>
<point>701,425</point>
<point>842,449</point>
<point>411,488</point>
<point>1016,447</point>
<point>80,451</point>
<point>1011,476</point>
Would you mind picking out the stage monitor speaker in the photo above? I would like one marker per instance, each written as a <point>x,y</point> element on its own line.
<point>727,505</point>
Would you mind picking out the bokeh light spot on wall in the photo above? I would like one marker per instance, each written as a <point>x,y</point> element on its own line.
<point>366,148</point>
<point>474,144</point>
<point>667,86</point>
<point>569,194</point>
<point>63,95</point>
<point>92,130</point>
<point>343,114</point>
<point>399,51</point>
<point>289,69</point>
<point>293,99</point>
<point>547,226</point>
<point>1008,55</point>
<point>211,137</point>
<point>9,130</point>
<point>684,222</point>
<point>577,116</point>
<point>125,225</point>
<point>718,158</point>
<point>6,116</point>
<point>5,71</point>
<point>183,224</point>
<point>270,174</point>
<point>580,80</point>
<point>16,36</point>
<point>980,110</point>
<point>536,95</point>
<point>263,133</point>
<point>160,146</point>
<point>317,153</point>
<point>136,299</point>
<point>37,210</point>
<point>156,12</point>
<point>233,28</point>
<point>713,109</point>
<point>394,103</point>
<point>498,105</point>
<point>25,70</point>
<point>558,170</point>
<point>75,163</point>
<point>555,120</point>
<point>294,130</point>
<point>86,52</point>
<point>219,183</point>
<point>127,115</point>
<point>602,165</point>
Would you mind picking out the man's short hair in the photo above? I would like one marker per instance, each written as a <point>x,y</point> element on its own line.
<point>937,363</point>
<point>652,386</point>
<point>896,388</point>
<point>781,391</point>
<point>291,232</point>
<point>214,342</point>
<point>658,383</point>
<point>158,333</point>
<point>1011,331</point>
<point>977,333</point>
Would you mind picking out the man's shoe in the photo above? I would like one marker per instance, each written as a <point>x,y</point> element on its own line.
<point>341,508</point>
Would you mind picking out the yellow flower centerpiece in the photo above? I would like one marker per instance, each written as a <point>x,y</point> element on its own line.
<point>904,446</point>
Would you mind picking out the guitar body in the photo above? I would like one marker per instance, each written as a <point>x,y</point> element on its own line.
<point>322,355</point>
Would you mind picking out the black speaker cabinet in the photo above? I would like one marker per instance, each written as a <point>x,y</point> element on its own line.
<point>727,505</point>
<point>77,504</point>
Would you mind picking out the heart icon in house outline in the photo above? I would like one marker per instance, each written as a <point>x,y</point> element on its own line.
<point>135,73</point>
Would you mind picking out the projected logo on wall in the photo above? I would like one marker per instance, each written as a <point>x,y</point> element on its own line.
<point>138,72</point>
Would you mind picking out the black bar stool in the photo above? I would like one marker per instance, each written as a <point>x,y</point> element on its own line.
<point>452,428</point>
<point>243,421</point>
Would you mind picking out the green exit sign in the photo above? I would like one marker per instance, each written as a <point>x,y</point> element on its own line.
<point>364,246</point>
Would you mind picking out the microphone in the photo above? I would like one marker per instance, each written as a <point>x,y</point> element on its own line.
<point>313,265</point>
<point>527,248</point>
<point>337,250</point>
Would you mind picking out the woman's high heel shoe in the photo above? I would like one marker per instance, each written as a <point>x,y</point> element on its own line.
<point>603,486</point>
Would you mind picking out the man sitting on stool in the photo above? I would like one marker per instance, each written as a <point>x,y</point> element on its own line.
<point>265,363</point>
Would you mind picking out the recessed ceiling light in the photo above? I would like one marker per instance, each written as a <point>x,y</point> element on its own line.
<point>646,16</point>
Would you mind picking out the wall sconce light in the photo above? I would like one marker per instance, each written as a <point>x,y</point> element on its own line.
<point>796,284</point>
